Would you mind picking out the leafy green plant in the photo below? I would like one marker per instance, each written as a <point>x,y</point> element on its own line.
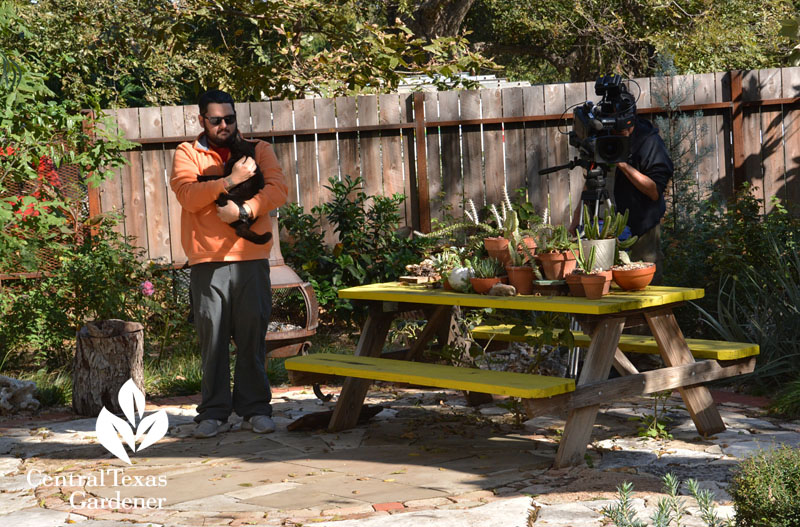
<point>669,511</point>
<point>655,425</point>
<point>766,489</point>
<point>762,306</point>
<point>787,402</point>
<point>554,238</point>
<point>585,261</point>
<point>371,246</point>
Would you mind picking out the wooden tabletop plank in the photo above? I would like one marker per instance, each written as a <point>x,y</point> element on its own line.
<point>615,302</point>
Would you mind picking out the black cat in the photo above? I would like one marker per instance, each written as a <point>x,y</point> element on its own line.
<point>243,191</point>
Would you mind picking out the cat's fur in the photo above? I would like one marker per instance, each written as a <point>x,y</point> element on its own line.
<point>243,191</point>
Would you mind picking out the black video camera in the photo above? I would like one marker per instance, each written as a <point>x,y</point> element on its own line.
<point>594,123</point>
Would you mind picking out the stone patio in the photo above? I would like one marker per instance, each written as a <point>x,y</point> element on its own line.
<point>427,459</point>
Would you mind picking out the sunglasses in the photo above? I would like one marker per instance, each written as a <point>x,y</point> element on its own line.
<point>214,121</point>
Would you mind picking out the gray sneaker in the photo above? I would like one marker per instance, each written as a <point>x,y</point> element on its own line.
<point>260,424</point>
<point>210,428</point>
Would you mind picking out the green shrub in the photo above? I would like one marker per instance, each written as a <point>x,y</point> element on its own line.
<point>763,306</point>
<point>766,489</point>
<point>787,403</point>
<point>371,246</point>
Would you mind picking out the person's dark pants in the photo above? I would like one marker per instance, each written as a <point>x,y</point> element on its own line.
<point>648,249</point>
<point>232,300</point>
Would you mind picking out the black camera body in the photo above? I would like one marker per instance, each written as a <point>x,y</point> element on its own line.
<point>594,124</point>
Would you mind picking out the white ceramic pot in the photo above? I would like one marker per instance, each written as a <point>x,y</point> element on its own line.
<point>603,252</point>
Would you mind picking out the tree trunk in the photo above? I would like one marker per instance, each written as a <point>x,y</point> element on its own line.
<point>109,352</point>
<point>439,18</point>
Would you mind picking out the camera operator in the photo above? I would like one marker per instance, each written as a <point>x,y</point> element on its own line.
<point>640,184</point>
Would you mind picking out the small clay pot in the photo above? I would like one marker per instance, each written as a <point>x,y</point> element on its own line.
<point>482,285</point>
<point>530,243</point>
<point>497,247</point>
<point>521,278</point>
<point>557,265</point>
<point>574,284</point>
<point>634,279</point>
<point>608,275</point>
<point>593,285</point>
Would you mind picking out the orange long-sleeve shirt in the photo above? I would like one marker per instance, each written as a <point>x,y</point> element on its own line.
<point>204,237</point>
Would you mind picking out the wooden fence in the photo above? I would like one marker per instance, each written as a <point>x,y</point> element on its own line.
<point>441,149</point>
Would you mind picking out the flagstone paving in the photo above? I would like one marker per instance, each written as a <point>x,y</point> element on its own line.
<point>426,460</point>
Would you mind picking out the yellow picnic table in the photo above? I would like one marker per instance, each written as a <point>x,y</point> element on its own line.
<point>602,320</point>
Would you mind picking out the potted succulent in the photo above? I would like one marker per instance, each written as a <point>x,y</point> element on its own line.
<point>595,283</point>
<point>508,221</point>
<point>487,273</point>
<point>632,276</point>
<point>603,236</point>
<point>444,263</point>
<point>554,253</point>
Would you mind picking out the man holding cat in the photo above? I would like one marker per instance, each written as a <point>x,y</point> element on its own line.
<point>229,275</point>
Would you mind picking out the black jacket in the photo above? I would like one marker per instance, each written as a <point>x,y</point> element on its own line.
<point>649,156</point>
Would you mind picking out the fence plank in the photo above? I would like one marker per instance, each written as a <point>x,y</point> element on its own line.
<point>111,189</point>
<point>640,88</point>
<point>133,182</point>
<point>492,108</point>
<point>557,154</point>
<point>535,148</point>
<point>575,94</point>
<point>172,125</point>
<point>452,182</point>
<point>155,187</point>
<point>513,106</point>
<point>435,186</point>
<point>412,202</point>
<point>791,123</point>
<point>284,144</point>
<point>706,135</point>
<point>326,158</point>
<point>191,120</point>
<point>243,121</point>
<point>349,164</point>
<point>472,156</point>
<point>751,132</point>
<point>772,153</point>
<point>391,149</point>
<point>725,179</point>
<point>370,145</point>
<point>307,179</point>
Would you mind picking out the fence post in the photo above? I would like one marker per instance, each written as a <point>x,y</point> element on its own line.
<point>737,114</point>
<point>422,163</point>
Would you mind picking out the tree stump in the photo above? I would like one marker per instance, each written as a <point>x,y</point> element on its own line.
<point>109,352</point>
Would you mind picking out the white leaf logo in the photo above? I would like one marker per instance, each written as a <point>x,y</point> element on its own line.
<point>110,428</point>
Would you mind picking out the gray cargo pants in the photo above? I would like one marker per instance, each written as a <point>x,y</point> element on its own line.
<point>232,300</point>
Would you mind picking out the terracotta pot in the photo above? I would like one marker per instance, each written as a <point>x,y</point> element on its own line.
<point>608,276</point>
<point>531,244</point>
<point>497,247</point>
<point>557,265</point>
<point>574,284</point>
<point>593,285</point>
<point>634,279</point>
<point>482,285</point>
<point>521,278</point>
<point>446,285</point>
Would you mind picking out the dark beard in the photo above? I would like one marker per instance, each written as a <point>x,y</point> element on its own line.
<point>227,143</point>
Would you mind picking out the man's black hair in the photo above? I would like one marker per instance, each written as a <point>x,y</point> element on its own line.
<point>214,96</point>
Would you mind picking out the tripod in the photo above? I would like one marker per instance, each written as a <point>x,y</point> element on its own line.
<point>596,192</point>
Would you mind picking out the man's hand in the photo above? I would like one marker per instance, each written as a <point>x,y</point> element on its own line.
<point>242,170</point>
<point>229,213</point>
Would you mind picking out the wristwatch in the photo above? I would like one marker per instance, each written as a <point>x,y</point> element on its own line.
<point>243,215</point>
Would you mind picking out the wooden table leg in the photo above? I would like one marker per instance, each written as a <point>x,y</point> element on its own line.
<point>370,344</point>
<point>599,358</point>
<point>439,322</point>
<point>675,351</point>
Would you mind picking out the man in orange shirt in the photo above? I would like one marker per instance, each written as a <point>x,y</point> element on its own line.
<point>229,275</point>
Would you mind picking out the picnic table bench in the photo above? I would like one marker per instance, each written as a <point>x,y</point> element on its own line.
<point>602,322</point>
